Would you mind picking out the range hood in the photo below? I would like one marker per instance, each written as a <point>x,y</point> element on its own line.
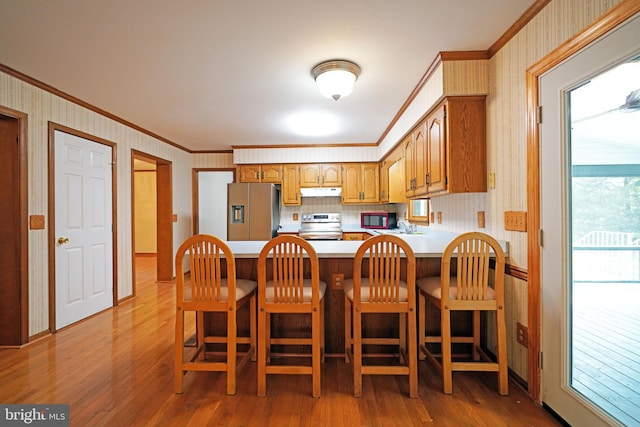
<point>321,192</point>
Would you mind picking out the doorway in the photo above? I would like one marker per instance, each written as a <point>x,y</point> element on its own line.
<point>14,279</point>
<point>589,206</point>
<point>163,214</point>
<point>210,203</point>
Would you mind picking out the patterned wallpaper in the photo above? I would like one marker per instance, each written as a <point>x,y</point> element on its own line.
<point>42,107</point>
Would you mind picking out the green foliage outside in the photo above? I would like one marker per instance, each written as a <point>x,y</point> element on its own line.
<point>605,204</point>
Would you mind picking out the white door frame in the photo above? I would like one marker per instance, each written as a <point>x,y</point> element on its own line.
<point>53,127</point>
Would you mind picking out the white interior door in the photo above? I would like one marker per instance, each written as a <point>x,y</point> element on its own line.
<point>561,298</point>
<point>83,228</point>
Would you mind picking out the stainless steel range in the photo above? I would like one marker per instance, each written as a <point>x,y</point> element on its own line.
<point>321,226</point>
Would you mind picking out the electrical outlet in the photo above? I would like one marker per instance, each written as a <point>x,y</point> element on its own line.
<point>492,181</point>
<point>295,216</point>
<point>433,217</point>
<point>337,279</point>
<point>439,217</point>
<point>523,334</point>
<point>480,219</point>
<point>515,221</point>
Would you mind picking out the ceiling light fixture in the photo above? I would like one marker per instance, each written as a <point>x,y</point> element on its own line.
<point>335,78</point>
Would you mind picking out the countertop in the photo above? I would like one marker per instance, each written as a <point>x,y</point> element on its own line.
<point>430,244</point>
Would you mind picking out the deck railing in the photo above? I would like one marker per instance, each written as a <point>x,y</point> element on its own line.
<point>607,256</point>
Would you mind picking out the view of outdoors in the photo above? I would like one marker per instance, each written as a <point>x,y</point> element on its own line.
<point>605,234</point>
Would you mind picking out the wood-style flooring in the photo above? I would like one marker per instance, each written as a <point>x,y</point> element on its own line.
<point>606,347</point>
<point>116,369</point>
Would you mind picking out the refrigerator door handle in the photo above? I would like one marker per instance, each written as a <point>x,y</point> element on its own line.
<point>237,214</point>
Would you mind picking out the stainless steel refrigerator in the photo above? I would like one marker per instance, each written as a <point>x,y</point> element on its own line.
<point>253,211</point>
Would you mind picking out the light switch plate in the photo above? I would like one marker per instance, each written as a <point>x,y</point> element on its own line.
<point>480,219</point>
<point>36,222</point>
<point>515,221</point>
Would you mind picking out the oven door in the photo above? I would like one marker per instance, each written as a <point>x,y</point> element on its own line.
<point>320,235</point>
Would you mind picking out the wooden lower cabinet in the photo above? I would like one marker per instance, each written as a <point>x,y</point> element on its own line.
<point>355,236</point>
<point>376,325</point>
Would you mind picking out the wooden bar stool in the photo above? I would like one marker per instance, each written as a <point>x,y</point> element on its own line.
<point>376,287</point>
<point>294,288</point>
<point>467,290</point>
<point>212,287</point>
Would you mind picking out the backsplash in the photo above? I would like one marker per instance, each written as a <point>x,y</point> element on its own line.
<point>350,213</point>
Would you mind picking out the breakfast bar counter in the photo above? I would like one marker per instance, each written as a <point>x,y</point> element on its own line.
<point>336,264</point>
<point>430,244</point>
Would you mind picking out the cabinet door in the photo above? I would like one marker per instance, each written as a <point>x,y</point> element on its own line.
<point>291,185</point>
<point>409,160</point>
<point>437,140</point>
<point>249,173</point>
<point>310,175</point>
<point>465,134</point>
<point>384,180</point>
<point>271,173</point>
<point>397,193</point>
<point>331,175</point>
<point>351,192</point>
<point>369,183</point>
<point>420,160</point>
<point>352,236</point>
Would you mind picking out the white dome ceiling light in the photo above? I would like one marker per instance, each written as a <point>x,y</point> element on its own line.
<point>335,78</point>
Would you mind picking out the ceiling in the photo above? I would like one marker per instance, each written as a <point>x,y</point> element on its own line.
<point>212,74</point>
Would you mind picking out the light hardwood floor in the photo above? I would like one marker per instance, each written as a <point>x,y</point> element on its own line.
<point>116,369</point>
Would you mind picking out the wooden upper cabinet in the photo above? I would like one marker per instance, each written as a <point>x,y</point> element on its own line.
<point>420,143</point>
<point>370,174</point>
<point>396,190</point>
<point>446,153</point>
<point>436,170</point>
<point>260,173</point>
<point>415,155</point>
<point>320,175</point>
<point>249,173</point>
<point>291,185</point>
<point>457,146</point>
<point>409,164</point>
<point>384,180</point>
<point>271,173</point>
<point>360,183</point>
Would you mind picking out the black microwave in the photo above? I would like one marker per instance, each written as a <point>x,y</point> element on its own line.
<point>378,220</point>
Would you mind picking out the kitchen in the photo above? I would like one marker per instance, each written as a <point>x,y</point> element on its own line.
<point>506,160</point>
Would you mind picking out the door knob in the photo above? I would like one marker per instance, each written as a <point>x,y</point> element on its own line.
<point>63,240</point>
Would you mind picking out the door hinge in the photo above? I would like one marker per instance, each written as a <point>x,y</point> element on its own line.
<point>540,236</point>
<point>540,360</point>
<point>539,118</point>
